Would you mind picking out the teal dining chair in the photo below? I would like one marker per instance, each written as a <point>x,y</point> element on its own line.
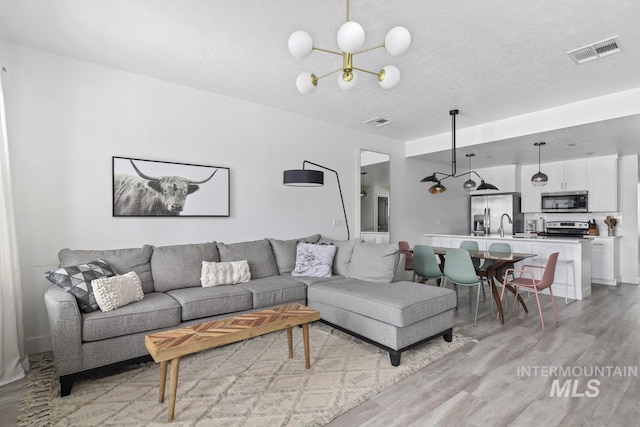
<point>459,270</point>
<point>425,264</point>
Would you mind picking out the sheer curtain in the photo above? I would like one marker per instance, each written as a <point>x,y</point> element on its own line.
<point>13,358</point>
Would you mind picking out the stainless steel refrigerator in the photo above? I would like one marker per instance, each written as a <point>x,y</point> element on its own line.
<point>486,211</point>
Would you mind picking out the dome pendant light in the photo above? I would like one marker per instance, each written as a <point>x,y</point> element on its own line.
<point>539,179</point>
<point>469,184</point>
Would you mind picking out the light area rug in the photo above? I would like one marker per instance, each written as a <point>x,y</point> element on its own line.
<point>250,383</point>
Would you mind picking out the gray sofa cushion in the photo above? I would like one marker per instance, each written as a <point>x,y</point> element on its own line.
<point>312,280</point>
<point>399,303</point>
<point>275,290</point>
<point>285,251</point>
<point>156,310</point>
<point>373,262</point>
<point>204,302</point>
<point>121,260</point>
<point>258,253</point>
<point>344,251</point>
<point>180,266</point>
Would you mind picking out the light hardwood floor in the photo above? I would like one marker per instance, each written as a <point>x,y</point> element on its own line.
<point>479,385</point>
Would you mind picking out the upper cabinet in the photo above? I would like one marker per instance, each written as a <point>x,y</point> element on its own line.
<point>598,175</point>
<point>506,178</point>
<point>602,183</point>
<point>565,176</point>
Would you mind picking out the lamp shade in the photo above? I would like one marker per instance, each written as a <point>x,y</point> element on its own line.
<point>303,178</point>
<point>438,188</point>
<point>469,184</point>
<point>390,77</point>
<point>486,186</point>
<point>540,179</point>
<point>397,41</point>
<point>300,44</point>
<point>347,85</point>
<point>304,83</point>
<point>351,37</point>
<point>430,178</point>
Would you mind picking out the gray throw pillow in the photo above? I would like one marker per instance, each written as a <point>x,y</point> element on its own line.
<point>314,260</point>
<point>285,251</point>
<point>121,260</point>
<point>258,253</point>
<point>180,266</point>
<point>373,262</point>
<point>344,250</point>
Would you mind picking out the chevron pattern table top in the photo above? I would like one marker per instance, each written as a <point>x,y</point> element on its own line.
<point>174,343</point>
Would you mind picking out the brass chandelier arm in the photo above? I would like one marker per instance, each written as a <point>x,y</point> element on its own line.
<point>369,49</point>
<point>328,74</point>
<point>366,71</point>
<point>328,51</point>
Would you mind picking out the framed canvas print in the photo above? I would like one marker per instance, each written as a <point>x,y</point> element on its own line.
<point>154,188</point>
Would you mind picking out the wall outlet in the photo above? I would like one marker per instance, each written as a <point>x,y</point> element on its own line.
<point>337,222</point>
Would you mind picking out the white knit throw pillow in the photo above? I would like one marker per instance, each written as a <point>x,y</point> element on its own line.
<point>117,291</point>
<point>224,273</point>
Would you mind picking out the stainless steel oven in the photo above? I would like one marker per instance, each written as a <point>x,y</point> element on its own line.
<point>567,201</point>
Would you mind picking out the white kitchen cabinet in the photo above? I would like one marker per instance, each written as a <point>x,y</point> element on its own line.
<point>565,176</point>
<point>602,184</point>
<point>597,175</point>
<point>505,178</point>
<point>529,194</point>
<point>604,266</point>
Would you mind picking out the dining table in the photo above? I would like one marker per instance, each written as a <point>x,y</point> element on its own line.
<point>501,261</point>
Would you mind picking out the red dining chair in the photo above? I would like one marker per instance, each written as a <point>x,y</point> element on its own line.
<point>527,280</point>
<point>406,250</point>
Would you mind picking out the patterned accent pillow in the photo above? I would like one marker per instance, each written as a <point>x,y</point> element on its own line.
<point>76,280</point>
<point>224,273</point>
<point>117,291</point>
<point>314,260</point>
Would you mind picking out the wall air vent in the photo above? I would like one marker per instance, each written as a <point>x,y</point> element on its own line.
<point>596,50</point>
<point>377,122</point>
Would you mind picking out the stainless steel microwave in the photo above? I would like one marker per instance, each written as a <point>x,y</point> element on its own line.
<point>566,201</point>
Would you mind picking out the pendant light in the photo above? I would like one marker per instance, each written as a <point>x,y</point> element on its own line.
<point>539,179</point>
<point>469,184</point>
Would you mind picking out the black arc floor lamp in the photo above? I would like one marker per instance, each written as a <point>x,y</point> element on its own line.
<point>313,178</point>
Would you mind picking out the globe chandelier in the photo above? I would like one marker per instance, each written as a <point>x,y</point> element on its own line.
<point>350,39</point>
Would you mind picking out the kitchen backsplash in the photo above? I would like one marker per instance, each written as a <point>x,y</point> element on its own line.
<point>598,216</point>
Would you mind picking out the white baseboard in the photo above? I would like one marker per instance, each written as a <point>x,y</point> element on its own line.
<point>631,279</point>
<point>38,344</point>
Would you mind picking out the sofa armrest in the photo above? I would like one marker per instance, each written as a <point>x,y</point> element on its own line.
<point>65,324</point>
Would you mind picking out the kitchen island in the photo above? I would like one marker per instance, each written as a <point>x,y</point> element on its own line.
<point>573,272</point>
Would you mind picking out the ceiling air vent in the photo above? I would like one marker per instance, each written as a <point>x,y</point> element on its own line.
<point>377,122</point>
<point>595,50</point>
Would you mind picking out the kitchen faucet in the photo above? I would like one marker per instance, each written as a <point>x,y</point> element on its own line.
<point>501,229</point>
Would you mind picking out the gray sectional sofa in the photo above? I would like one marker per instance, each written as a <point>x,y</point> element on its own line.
<point>365,297</point>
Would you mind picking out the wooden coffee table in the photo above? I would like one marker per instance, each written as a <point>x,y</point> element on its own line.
<point>173,344</point>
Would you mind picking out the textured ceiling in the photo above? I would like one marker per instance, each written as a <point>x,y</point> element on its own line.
<point>492,59</point>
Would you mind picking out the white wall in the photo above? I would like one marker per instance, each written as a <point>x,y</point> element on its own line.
<point>628,201</point>
<point>67,118</point>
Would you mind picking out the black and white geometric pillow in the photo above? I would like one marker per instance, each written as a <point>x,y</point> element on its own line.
<point>76,280</point>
